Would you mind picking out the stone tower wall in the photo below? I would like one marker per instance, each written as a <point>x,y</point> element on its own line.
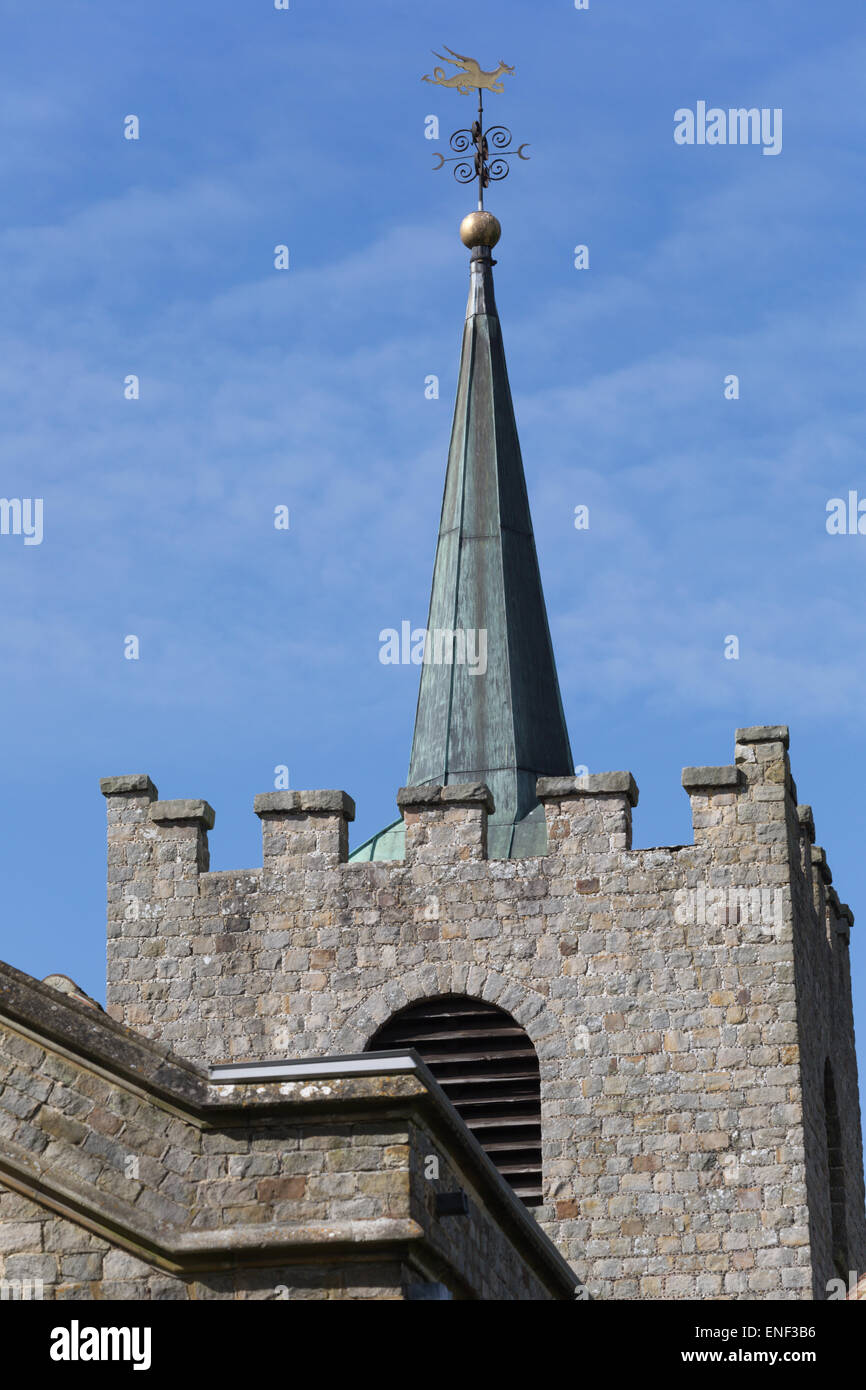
<point>682,1001</point>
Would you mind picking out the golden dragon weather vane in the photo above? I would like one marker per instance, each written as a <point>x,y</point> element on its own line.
<point>470,74</point>
<point>469,77</point>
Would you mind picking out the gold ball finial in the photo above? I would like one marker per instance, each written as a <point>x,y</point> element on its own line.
<point>480,229</point>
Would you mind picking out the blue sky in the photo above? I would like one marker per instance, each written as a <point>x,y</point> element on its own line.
<point>306,388</point>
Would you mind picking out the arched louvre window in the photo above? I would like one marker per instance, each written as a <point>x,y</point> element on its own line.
<point>836,1165</point>
<point>488,1068</point>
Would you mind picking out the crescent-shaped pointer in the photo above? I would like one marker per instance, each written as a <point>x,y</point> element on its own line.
<point>441,159</point>
<point>520,150</point>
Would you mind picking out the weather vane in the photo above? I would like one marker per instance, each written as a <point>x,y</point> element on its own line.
<point>469,77</point>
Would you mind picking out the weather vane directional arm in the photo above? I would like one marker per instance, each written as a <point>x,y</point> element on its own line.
<point>470,76</point>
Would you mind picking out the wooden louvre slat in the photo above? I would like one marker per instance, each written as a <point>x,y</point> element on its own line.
<point>488,1068</point>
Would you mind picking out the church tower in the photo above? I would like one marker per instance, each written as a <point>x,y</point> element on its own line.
<point>496,1053</point>
<point>655,1047</point>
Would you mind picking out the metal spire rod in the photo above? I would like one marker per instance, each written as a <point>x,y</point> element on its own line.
<point>481,149</point>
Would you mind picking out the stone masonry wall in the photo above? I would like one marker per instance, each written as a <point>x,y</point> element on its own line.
<point>125,1173</point>
<point>822,973</point>
<point>43,1255</point>
<point>681,1000</point>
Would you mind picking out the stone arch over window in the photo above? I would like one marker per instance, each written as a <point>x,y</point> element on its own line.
<point>836,1167</point>
<point>525,1004</point>
<point>486,1064</point>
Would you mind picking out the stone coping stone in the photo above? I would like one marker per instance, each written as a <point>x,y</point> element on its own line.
<point>764,733</point>
<point>699,777</point>
<point>303,802</point>
<point>807,820</point>
<point>591,784</point>
<point>819,861</point>
<point>161,811</point>
<point>131,782</point>
<point>455,794</point>
<point>844,917</point>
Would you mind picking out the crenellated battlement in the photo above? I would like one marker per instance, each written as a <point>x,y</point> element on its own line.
<point>748,831</point>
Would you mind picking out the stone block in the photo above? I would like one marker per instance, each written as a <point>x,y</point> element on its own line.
<point>305,803</point>
<point>137,783</point>
<point>591,784</point>
<point>162,812</point>
<point>711,777</point>
<point>764,733</point>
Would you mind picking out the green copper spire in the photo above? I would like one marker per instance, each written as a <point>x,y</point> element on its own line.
<point>498,721</point>
<point>489,707</point>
